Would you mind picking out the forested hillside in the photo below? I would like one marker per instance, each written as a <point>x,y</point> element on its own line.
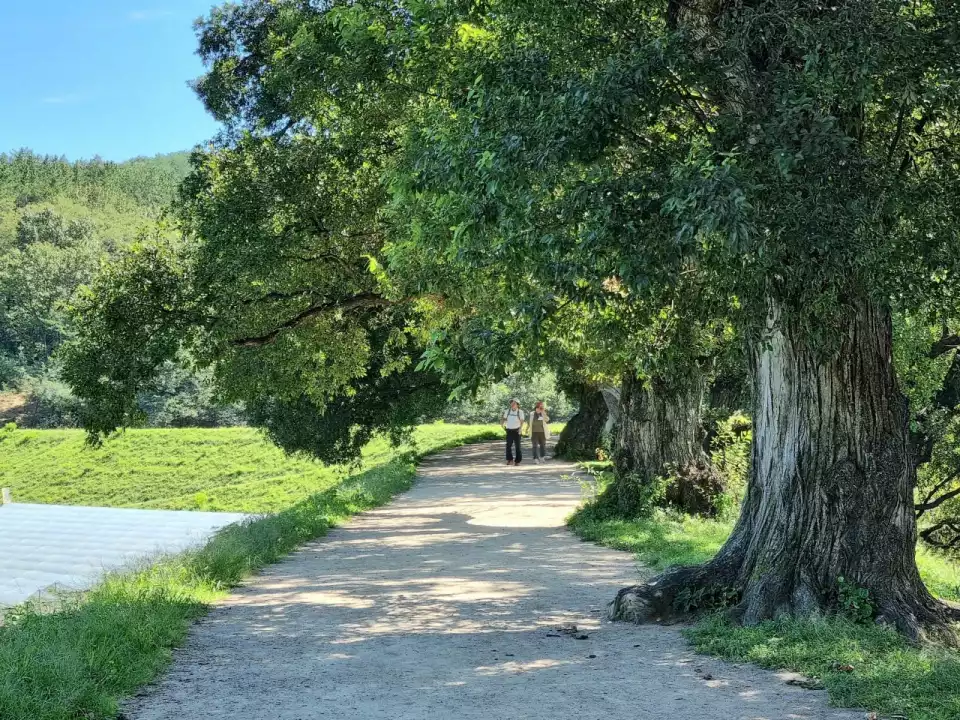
<point>58,222</point>
<point>28,178</point>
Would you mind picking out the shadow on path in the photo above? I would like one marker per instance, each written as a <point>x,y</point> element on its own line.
<point>444,605</point>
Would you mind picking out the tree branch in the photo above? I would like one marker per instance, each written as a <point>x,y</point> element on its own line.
<point>276,296</point>
<point>934,504</point>
<point>690,103</point>
<point>898,134</point>
<point>948,341</point>
<point>947,544</point>
<point>332,257</point>
<point>936,488</point>
<point>356,302</point>
<point>908,155</point>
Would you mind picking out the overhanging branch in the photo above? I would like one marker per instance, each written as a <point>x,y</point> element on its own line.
<point>934,504</point>
<point>948,341</point>
<point>908,155</point>
<point>944,535</point>
<point>356,302</point>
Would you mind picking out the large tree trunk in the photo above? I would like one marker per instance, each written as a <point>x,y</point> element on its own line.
<point>583,434</point>
<point>831,492</point>
<point>659,447</point>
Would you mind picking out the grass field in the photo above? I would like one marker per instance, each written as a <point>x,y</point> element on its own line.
<point>889,677</point>
<point>77,662</point>
<point>227,469</point>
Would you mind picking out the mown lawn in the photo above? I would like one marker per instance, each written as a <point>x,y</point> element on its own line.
<point>889,677</point>
<point>78,661</point>
<point>226,469</point>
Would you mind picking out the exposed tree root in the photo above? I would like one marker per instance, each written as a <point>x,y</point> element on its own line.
<point>920,622</point>
<point>952,610</point>
<point>683,593</point>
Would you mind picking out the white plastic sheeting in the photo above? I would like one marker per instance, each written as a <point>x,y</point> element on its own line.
<point>44,546</point>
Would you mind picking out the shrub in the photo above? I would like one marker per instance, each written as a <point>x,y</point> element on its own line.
<point>50,403</point>
<point>730,454</point>
<point>854,601</point>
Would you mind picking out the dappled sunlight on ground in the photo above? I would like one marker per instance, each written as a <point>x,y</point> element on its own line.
<point>510,668</point>
<point>455,602</point>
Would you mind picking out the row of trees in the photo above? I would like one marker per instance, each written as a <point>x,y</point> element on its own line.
<point>685,198</point>
<point>58,222</point>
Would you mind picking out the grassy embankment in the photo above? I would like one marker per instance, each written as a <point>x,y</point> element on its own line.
<point>226,469</point>
<point>98,647</point>
<point>889,676</point>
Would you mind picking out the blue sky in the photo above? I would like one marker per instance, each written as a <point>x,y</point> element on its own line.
<point>100,77</point>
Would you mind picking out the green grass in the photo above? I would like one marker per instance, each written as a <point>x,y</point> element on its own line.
<point>226,469</point>
<point>77,661</point>
<point>659,541</point>
<point>889,677</point>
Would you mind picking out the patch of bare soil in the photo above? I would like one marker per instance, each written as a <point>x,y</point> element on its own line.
<point>13,407</point>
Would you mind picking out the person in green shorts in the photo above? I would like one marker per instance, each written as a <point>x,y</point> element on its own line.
<point>539,430</point>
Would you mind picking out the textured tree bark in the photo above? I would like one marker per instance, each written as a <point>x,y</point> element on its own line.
<point>660,434</point>
<point>583,435</point>
<point>831,492</point>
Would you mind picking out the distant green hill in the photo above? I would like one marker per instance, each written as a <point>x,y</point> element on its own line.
<point>116,198</point>
<point>142,181</point>
<point>59,221</point>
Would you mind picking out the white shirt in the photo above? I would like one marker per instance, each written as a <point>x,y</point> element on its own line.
<point>514,419</point>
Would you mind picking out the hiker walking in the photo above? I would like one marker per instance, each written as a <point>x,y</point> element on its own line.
<point>539,430</point>
<point>512,422</point>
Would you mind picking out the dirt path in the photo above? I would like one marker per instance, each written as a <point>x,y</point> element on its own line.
<point>442,605</point>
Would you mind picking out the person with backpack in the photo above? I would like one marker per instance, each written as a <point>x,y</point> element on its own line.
<point>512,421</point>
<point>539,430</point>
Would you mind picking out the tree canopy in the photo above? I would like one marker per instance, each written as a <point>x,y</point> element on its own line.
<point>409,195</point>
